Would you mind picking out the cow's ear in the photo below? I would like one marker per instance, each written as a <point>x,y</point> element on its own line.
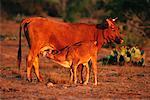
<point>111,21</point>
<point>103,25</point>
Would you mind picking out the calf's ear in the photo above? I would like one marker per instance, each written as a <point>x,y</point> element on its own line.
<point>55,52</point>
<point>103,25</point>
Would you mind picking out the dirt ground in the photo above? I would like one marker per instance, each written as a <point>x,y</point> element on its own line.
<point>114,82</point>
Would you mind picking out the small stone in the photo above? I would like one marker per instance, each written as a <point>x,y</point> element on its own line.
<point>65,87</point>
<point>50,84</point>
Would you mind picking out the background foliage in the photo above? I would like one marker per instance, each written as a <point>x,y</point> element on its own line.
<point>133,15</point>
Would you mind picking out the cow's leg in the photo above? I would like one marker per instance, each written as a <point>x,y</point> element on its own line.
<point>29,65</point>
<point>87,74</point>
<point>32,60</point>
<point>71,75</point>
<point>36,68</point>
<point>94,66</point>
<point>80,70</point>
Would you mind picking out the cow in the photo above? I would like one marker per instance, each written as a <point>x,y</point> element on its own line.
<point>76,54</point>
<point>55,35</point>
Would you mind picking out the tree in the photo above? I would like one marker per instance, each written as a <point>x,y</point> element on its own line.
<point>76,9</point>
<point>125,9</point>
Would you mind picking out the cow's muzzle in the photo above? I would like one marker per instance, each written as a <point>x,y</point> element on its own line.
<point>118,40</point>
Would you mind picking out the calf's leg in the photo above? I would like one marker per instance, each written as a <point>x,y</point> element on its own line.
<point>75,73</point>
<point>87,74</point>
<point>94,66</point>
<point>80,70</point>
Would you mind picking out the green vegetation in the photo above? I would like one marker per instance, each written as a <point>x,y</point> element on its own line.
<point>132,14</point>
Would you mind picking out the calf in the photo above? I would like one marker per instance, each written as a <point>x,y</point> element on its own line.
<point>76,54</point>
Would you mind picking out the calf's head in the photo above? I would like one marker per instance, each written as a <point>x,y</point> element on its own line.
<point>56,55</point>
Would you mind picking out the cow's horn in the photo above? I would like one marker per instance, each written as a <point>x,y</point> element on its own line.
<point>114,19</point>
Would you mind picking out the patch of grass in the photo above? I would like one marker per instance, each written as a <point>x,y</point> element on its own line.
<point>2,75</point>
<point>113,74</point>
<point>134,39</point>
<point>7,68</point>
<point>57,78</point>
<point>129,78</point>
<point>140,75</point>
<point>8,37</point>
<point>2,37</point>
<point>55,66</point>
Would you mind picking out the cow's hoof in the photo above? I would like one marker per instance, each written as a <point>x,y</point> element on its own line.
<point>40,79</point>
<point>81,82</point>
<point>29,79</point>
<point>75,82</point>
<point>95,84</point>
<point>85,83</point>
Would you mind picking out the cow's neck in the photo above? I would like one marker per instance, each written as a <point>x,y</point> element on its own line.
<point>106,39</point>
<point>100,37</point>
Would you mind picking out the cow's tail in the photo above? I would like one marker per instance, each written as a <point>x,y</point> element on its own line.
<point>19,48</point>
<point>23,23</point>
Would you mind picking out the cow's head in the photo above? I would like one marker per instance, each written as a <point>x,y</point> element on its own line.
<point>110,31</point>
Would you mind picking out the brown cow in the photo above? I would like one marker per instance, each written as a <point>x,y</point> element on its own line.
<point>51,34</point>
<point>76,54</point>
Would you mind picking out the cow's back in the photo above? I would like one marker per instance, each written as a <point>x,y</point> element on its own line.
<point>44,31</point>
